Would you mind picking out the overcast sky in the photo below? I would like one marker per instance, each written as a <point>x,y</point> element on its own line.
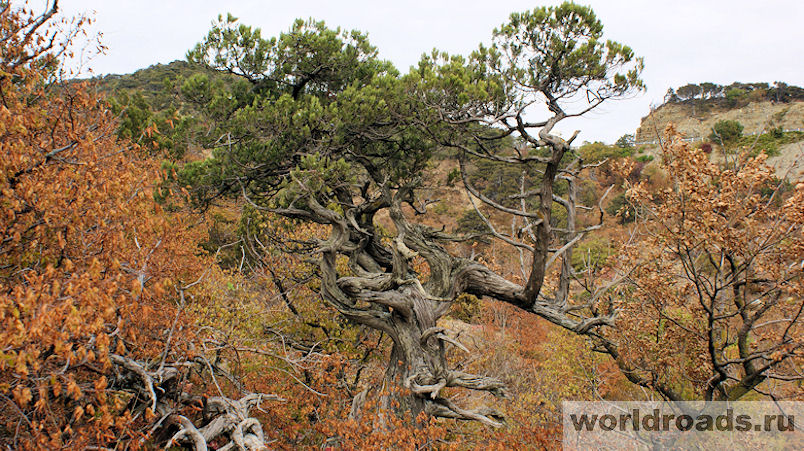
<point>682,41</point>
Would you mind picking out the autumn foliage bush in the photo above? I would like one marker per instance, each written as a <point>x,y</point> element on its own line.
<point>89,263</point>
<point>711,300</point>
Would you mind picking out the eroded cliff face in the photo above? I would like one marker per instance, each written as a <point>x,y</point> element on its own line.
<point>695,120</point>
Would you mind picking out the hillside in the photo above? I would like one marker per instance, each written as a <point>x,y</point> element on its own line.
<point>154,83</point>
<point>694,108</point>
<point>758,111</point>
<point>288,243</point>
<point>695,120</point>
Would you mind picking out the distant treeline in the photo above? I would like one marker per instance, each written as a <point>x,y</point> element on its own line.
<point>735,94</point>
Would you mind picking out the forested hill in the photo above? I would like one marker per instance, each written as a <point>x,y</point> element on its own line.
<point>151,109</point>
<point>155,83</point>
<point>735,94</point>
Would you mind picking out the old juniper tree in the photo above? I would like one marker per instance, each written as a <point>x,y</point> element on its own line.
<point>313,126</point>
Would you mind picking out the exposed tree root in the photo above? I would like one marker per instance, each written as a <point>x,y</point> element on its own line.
<point>222,417</point>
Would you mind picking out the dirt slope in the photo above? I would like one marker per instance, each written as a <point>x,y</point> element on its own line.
<point>695,121</point>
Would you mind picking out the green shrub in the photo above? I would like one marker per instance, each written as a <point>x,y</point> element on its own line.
<point>770,143</point>
<point>471,222</point>
<point>453,176</point>
<point>726,132</point>
<point>777,132</point>
<point>466,308</point>
<point>558,216</point>
<point>620,207</point>
<point>587,193</point>
<point>598,151</point>
<point>593,252</point>
<point>441,208</point>
<point>736,97</point>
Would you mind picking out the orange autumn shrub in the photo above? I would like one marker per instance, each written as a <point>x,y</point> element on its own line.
<point>711,307</point>
<point>89,262</point>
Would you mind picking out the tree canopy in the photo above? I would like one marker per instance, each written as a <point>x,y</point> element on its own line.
<point>711,303</point>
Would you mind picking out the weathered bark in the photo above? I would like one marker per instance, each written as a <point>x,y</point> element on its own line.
<point>417,363</point>
<point>544,234</point>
